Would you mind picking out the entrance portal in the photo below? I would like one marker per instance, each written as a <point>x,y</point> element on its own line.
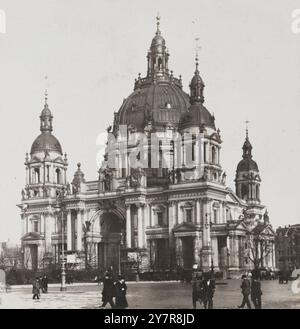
<point>188,252</point>
<point>34,256</point>
<point>111,232</point>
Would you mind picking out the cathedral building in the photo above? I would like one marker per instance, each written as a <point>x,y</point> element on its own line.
<point>154,218</point>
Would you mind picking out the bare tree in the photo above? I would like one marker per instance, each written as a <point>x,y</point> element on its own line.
<point>257,248</point>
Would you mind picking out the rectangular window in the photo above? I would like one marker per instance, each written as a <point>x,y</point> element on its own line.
<point>215,216</point>
<point>188,214</point>
<point>160,219</point>
<point>35,226</point>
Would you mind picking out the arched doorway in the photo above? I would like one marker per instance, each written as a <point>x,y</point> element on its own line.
<point>109,246</point>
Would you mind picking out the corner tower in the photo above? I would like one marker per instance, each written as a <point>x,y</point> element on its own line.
<point>247,179</point>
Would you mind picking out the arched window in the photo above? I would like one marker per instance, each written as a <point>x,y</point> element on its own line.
<point>159,63</point>
<point>36,175</point>
<point>58,176</point>
<point>244,191</point>
<point>213,155</point>
<point>215,216</point>
<point>193,147</point>
<point>160,218</point>
<point>204,152</point>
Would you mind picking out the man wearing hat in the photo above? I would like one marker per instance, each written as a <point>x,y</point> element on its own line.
<point>246,288</point>
<point>121,289</point>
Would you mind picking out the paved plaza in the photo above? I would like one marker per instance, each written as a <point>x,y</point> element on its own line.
<point>164,295</point>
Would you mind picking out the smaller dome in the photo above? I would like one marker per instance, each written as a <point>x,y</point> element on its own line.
<point>196,80</point>
<point>247,165</point>
<point>158,40</point>
<point>197,115</point>
<point>46,142</point>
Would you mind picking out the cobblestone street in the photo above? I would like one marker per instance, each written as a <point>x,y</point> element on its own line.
<point>164,295</point>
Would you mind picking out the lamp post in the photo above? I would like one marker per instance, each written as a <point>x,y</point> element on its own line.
<point>63,267</point>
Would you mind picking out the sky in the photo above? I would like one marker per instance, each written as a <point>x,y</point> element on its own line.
<point>92,50</point>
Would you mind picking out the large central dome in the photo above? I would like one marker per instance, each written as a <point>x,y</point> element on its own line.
<point>158,98</point>
<point>162,102</point>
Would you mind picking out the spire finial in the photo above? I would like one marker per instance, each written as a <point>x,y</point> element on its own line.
<point>46,90</point>
<point>197,48</point>
<point>157,23</point>
<point>247,122</point>
<point>197,61</point>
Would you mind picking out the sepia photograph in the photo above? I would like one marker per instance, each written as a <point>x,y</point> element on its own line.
<point>149,156</point>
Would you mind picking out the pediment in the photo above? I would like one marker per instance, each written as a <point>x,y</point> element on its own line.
<point>184,227</point>
<point>32,236</point>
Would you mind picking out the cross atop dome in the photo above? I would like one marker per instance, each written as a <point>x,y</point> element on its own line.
<point>157,24</point>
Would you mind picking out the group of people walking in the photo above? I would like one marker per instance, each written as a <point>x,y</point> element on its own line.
<point>114,292</point>
<point>251,287</point>
<point>39,284</point>
<point>203,285</point>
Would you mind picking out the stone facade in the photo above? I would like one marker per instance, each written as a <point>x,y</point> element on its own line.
<point>146,219</point>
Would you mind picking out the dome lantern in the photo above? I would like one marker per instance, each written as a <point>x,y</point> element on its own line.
<point>197,86</point>
<point>158,55</point>
<point>46,117</point>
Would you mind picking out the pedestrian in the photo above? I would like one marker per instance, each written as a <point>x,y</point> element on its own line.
<point>208,286</point>
<point>121,290</point>
<point>108,291</point>
<point>45,284</point>
<point>36,288</point>
<point>256,292</point>
<point>246,287</point>
<point>41,283</point>
<point>197,290</point>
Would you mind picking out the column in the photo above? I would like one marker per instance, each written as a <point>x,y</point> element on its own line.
<point>27,176</point>
<point>171,222</point>
<point>224,212</point>
<point>221,213</point>
<point>47,220</point>
<point>197,248</point>
<point>80,219</point>
<point>170,216</point>
<point>198,213</point>
<point>231,251</point>
<point>42,174</point>
<point>179,214</point>
<point>146,224</point>
<point>42,227</point>
<point>69,231</point>
<point>273,255</point>
<point>128,227</point>
<point>140,221</point>
<point>215,254</point>
<point>237,251</point>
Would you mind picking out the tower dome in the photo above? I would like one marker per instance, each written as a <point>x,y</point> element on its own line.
<point>197,114</point>
<point>247,163</point>
<point>46,142</point>
<point>247,177</point>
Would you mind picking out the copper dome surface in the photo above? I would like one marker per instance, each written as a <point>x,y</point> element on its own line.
<point>163,101</point>
<point>46,142</point>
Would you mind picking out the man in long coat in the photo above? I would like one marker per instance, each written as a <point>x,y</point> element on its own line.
<point>246,288</point>
<point>108,291</point>
<point>121,289</point>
